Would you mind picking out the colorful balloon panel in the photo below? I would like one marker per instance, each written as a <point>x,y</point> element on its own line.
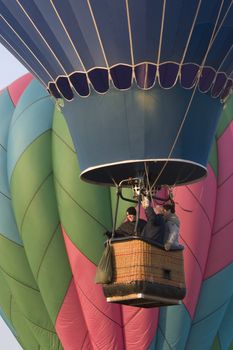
<point>27,304</point>
<point>52,234</point>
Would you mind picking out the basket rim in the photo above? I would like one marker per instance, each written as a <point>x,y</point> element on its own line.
<point>143,239</point>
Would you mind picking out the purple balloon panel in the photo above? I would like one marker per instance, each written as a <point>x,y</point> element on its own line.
<point>52,89</point>
<point>227,89</point>
<point>188,75</point>
<point>219,84</point>
<point>168,74</point>
<point>99,79</point>
<point>65,88</point>
<point>121,76</point>
<point>206,79</point>
<point>145,75</point>
<point>80,84</point>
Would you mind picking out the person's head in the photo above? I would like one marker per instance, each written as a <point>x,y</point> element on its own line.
<point>131,214</point>
<point>169,208</point>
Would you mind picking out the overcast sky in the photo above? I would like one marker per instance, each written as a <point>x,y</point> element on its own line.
<point>10,70</point>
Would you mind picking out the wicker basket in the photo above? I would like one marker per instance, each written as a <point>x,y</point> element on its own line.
<point>142,268</point>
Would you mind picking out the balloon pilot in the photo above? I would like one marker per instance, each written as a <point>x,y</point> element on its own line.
<point>127,228</point>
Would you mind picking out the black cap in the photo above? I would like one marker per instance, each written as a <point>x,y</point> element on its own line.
<point>131,211</point>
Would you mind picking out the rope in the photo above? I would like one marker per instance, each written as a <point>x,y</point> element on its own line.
<point>212,39</point>
<point>177,135</point>
<point>148,182</point>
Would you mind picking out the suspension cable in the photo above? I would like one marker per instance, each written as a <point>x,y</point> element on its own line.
<point>212,39</point>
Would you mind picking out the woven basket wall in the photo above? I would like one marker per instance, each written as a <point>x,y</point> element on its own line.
<point>137,260</point>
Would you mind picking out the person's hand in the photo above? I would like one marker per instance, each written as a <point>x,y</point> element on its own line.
<point>159,209</point>
<point>145,202</point>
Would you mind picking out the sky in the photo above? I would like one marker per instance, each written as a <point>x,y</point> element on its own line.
<point>7,340</point>
<point>10,70</point>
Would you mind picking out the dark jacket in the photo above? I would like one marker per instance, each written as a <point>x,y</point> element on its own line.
<point>172,227</point>
<point>127,228</point>
<point>155,227</point>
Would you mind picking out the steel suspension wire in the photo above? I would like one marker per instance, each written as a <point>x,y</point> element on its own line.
<point>212,39</point>
<point>177,135</point>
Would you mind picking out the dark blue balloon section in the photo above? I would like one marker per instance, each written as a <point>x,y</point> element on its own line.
<point>119,133</point>
<point>142,80</point>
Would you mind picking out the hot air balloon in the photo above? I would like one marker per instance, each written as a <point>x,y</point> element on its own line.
<point>150,72</point>
<point>39,295</point>
<point>153,73</point>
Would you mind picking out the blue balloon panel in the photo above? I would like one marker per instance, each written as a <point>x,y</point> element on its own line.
<point>118,134</point>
